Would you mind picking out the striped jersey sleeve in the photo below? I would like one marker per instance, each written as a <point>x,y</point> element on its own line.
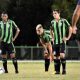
<point>48,33</point>
<point>47,39</point>
<point>14,24</point>
<point>52,23</point>
<point>67,23</point>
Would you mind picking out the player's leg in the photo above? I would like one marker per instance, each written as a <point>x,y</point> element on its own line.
<point>57,64</point>
<point>57,60</point>
<point>14,60</point>
<point>47,61</point>
<point>4,60</point>
<point>11,51</point>
<point>63,62</point>
<point>63,59</point>
<point>50,51</point>
<point>48,56</point>
<point>4,56</point>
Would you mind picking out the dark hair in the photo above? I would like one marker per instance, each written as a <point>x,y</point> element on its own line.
<point>56,10</point>
<point>4,12</point>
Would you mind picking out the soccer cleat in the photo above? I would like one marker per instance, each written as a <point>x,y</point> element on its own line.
<point>64,72</point>
<point>16,72</point>
<point>46,70</point>
<point>57,73</point>
<point>6,71</point>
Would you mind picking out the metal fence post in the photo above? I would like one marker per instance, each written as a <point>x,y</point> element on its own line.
<point>31,53</point>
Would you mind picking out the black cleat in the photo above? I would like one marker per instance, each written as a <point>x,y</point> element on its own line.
<point>16,72</point>
<point>57,73</point>
<point>46,71</point>
<point>6,71</point>
<point>64,72</point>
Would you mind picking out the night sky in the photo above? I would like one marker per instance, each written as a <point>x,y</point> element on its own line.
<point>28,13</point>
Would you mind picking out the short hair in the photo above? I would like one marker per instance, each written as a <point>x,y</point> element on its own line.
<point>4,12</point>
<point>39,26</point>
<point>56,10</point>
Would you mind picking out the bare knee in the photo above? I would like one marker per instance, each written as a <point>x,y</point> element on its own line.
<point>62,55</point>
<point>4,56</point>
<point>56,57</point>
<point>46,55</point>
<point>12,55</point>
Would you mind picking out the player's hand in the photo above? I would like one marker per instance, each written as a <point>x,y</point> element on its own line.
<point>65,39</point>
<point>52,40</point>
<point>13,39</point>
<point>51,58</point>
<point>74,29</point>
<point>45,51</point>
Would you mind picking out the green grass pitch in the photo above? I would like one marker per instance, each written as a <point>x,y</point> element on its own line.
<point>35,71</point>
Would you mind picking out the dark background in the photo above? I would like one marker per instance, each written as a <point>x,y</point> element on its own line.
<point>28,13</point>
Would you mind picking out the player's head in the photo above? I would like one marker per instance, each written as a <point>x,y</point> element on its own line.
<point>4,16</point>
<point>39,29</point>
<point>56,13</point>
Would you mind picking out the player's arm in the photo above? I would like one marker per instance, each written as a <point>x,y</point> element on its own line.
<point>49,46</point>
<point>70,31</point>
<point>52,34</point>
<point>17,31</point>
<point>44,46</point>
<point>76,15</point>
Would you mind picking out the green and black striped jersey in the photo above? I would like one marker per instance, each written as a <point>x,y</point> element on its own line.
<point>6,30</point>
<point>59,28</point>
<point>45,37</point>
<point>48,33</point>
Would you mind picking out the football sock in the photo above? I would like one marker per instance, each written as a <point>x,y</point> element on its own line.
<point>63,62</point>
<point>47,63</point>
<point>57,65</point>
<point>5,64</point>
<point>15,64</point>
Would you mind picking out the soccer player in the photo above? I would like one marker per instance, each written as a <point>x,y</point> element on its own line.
<point>59,27</point>
<point>76,16</point>
<point>7,39</point>
<point>45,41</point>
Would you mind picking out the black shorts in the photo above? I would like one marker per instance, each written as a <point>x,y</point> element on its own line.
<point>59,48</point>
<point>7,48</point>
